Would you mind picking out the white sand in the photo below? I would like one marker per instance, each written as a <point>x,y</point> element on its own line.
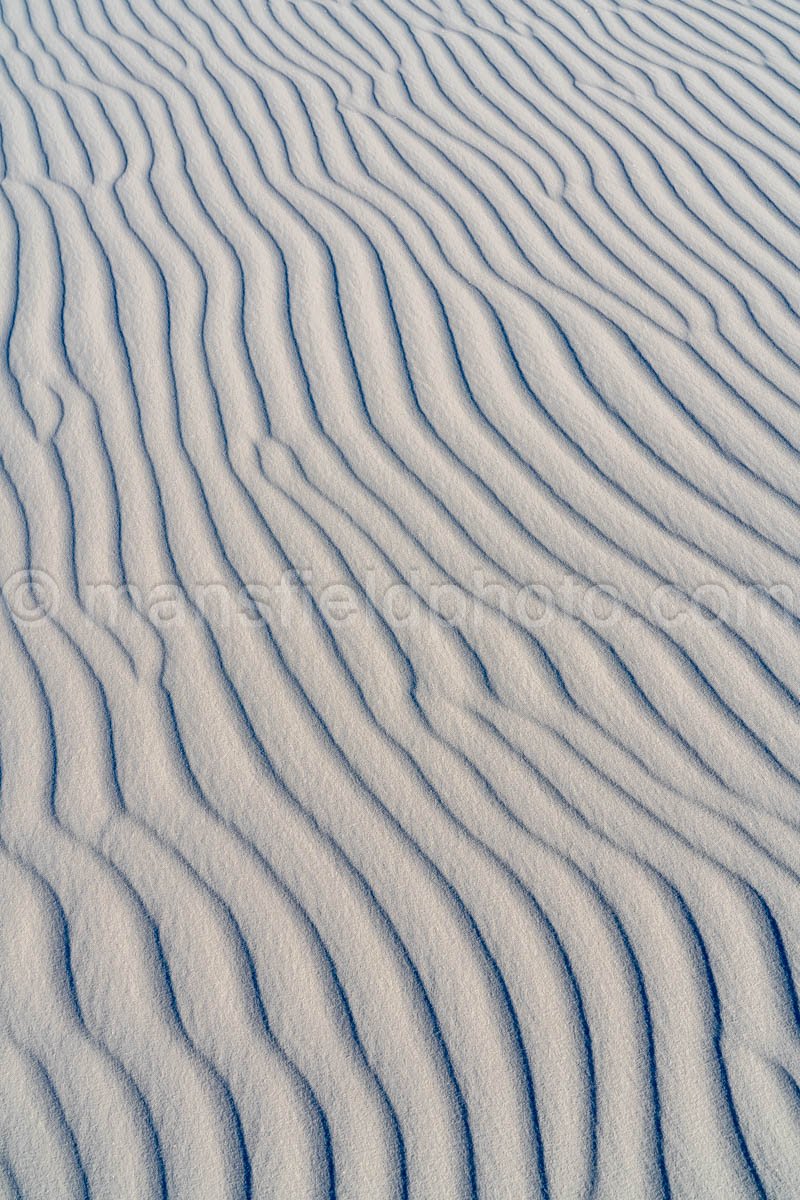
<point>399,655</point>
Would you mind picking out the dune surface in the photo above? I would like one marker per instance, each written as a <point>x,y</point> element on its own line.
<point>399,645</point>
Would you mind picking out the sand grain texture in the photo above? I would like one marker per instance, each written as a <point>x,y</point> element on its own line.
<point>399,647</point>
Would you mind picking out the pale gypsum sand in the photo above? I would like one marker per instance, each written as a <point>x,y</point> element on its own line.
<point>399,657</point>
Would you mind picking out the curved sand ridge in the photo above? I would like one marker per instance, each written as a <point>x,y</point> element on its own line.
<point>399,512</point>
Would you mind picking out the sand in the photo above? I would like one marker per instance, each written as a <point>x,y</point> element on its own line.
<point>399,644</point>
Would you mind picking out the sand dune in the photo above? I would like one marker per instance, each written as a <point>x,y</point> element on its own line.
<point>400,658</point>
